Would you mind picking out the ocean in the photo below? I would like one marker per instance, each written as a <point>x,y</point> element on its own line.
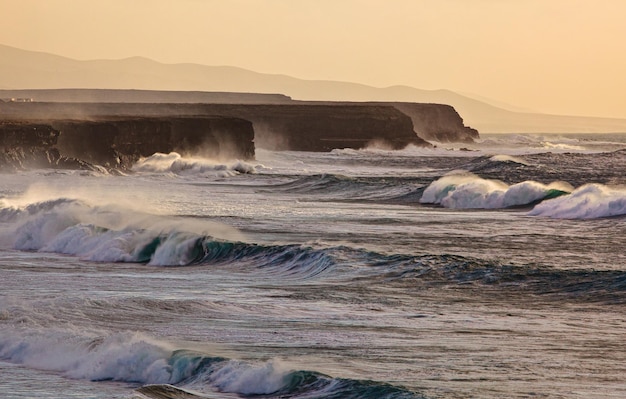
<point>487,270</point>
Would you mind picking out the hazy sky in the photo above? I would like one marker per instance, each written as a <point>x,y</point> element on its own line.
<point>557,56</point>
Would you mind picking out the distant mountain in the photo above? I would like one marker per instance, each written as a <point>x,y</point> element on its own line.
<point>21,69</point>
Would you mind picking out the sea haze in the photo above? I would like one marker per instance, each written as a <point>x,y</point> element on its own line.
<point>488,270</point>
<point>26,73</point>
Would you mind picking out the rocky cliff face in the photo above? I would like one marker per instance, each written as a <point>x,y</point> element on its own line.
<point>119,143</point>
<point>438,122</point>
<point>30,145</point>
<point>322,127</point>
<point>297,126</point>
<point>115,135</point>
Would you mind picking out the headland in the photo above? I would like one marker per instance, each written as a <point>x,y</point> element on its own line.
<point>78,128</point>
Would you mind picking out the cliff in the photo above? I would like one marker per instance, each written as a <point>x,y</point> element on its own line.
<point>323,127</point>
<point>142,96</point>
<point>117,143</point>
<point>115,135</point>
<point>295,126</point>
<point>30,146</point>
<point>438,122</point>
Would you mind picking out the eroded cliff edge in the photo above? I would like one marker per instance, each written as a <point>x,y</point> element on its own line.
<point>115,135</point>
<point>438,122</point>
<point>117,143</point>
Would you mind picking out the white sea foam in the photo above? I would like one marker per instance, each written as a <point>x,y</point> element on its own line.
<point>176,249</point>
<point>586,202</point>
<point>52,232</point>
<point>101,232</point>
<point>121,357</point>
<point>518,144</point>
<point>132,357</point>
<point>563,146</point>
<point>246,379</point>
<point>177,164</point>
<point>508,158</point>
<point>467,191</point>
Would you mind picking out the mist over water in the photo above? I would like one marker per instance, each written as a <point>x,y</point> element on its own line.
<point>491,271</point>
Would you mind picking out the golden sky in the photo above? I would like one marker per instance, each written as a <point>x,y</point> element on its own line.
<point>554,56</point>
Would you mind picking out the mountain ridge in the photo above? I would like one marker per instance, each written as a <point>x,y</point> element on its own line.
<point>24,69</point>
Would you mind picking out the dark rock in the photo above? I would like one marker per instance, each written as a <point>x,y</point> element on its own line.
<point>27,145</point>
<point>321,127</point>
<point>438,122</point>
<point>119,143</point>
<point>295,126</point>
<point>115,135</point>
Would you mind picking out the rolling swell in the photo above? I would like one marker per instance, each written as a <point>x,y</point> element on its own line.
<point>269,380</point>
<point>340,187</point>
<point>104,234</point>
<point>10,213</point>
<point>457,271</point>
<point>469,191</point>
<point>192,250</point>
<point>56,226</point>
<point>176,373</point>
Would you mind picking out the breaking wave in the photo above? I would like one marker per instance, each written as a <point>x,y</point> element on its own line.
<point>137,358</point>
<point>468,191</point>
<point>340,187</point>
<point>105,234</point>
<point>175,163</point>
<point>590,201</point>
<point>557,200</point>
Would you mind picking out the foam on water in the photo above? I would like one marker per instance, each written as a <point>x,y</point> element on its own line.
<point>131,357</point>
<point>508,158</point>
<point>177,164</point>
<point>586,202</point>
<point>467,191</point>
<point>138,358</point>
<point>519,144</point>
<point>248,379</point>
<point>91,227</point>
<point>110,234</point>
<point>134,357</point>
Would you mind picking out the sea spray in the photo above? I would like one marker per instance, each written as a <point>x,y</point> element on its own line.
<point>467,191</point>
<point>590,201</point>
<point>177,164</point>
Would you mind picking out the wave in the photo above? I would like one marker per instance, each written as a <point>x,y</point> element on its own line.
<point>60,227</point>
<point>75,228</point>
<point>508,158</point>
<point>497,278</point>
<point>107,234</point>
<point>518,144</point>
<point>176,164</point>
<point>340,187</point>
<point>468,191</point>
<point>590,201</point>
<point>137,358</point>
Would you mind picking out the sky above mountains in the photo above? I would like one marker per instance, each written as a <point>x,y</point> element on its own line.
<point>553,56</point>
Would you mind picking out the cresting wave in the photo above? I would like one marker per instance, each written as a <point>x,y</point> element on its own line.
<point>340,187</point>
<point>466,191</point>
<point>95,233</point>
<point>177,164</point>
<point>57,227</point>
<point>555,200</point>
<point>137,358</point>
<point>590,201</point>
